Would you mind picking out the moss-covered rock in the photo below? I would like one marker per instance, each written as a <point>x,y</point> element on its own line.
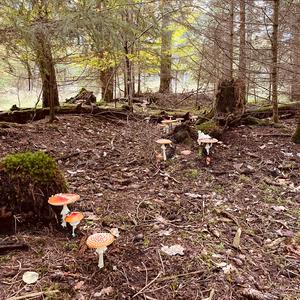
<point>27,180</point>
<point>210,127</point>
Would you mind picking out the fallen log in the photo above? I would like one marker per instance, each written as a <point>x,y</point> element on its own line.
<point>289,109</point>
<point>11,247</point>
<point>28,115</point>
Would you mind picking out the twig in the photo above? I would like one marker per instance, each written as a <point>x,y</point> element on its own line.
<point>161,261</point>
<point>169,176</point>
<point>31,295</point>
<point>180,275</point>
<point>147,285</point>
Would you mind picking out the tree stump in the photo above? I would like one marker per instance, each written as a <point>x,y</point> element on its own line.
<point>229,99</point>
<point>84,96</point>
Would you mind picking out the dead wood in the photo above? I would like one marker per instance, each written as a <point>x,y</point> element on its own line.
<point>27,115</point>
<point>84,96</point>
<point>11,247</point>
<point>253,294</point>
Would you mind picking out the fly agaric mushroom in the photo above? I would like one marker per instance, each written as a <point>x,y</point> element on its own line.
<point>100,241</point>
<point>74,219</point>
<point>63,200</point>
<point>163,143</point>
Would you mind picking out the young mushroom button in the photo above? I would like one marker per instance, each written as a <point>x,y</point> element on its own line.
<point>74,219</point>
<point>63,200</point>
<point>100,241</point>
<point>163,143</point>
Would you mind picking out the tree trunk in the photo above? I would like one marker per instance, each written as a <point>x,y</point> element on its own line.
<point>231,39</point>
<point>166,52</point>
<point>295,86</point>
<point>128,77</point>
<point>107,84</point>
<point>275,60</point>
<point>242,55</point>
<point>47,70</point>
<point>296,136</point>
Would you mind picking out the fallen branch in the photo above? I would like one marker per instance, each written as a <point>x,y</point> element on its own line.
<point>147,285</point>
<point>12,247</point>
<point>33,295</point>
<point>253,294</point>
<point>180,275</point>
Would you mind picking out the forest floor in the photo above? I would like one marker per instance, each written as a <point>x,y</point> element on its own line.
<point>253,183</point>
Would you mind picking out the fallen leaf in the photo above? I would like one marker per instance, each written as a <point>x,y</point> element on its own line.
<point>79,285</point>
<point>237,239</point>
<point>192,195</point>
<point>278,208</point>
<point>115,232</point>
<point>173,250</point>
<point>30,277</point>
<point>104,292</point>
<point>165,232</point>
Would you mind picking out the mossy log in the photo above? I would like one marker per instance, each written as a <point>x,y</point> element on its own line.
<point>27,180</point>
<point>287,109</point>
<point>27,115</point>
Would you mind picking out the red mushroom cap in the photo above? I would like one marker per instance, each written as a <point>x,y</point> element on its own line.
<point>74,216</point>
<point>63,199</point>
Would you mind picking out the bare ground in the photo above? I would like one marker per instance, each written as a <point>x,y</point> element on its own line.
<point>252,184</point>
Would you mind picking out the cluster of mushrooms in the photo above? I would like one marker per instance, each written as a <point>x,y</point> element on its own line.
<point>98,241</point>
<point>203,139</point>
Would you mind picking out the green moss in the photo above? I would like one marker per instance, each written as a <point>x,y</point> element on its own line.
<point>210,127</point>
<point>38,165</point>
<point>191,173</point>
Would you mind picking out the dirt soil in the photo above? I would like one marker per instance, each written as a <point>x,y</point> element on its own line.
<point>253,184</point>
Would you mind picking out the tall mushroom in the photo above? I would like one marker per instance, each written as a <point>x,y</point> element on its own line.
<point>63,200</point>
<point>208,142</point>
<point>100,241</point>
<point>74,219</point>
<point>163,143</point>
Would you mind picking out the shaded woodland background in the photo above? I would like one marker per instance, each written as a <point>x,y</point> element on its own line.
<point>50,49</point>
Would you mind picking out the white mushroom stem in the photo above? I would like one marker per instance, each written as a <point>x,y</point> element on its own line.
<point>64,213</point>
<point>207,147</point>
<point>100,252</point>
<point>74,225</point>
<point>163,147</point>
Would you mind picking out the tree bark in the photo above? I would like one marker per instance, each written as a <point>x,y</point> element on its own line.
<point>242,54</point>
<point>295,86</point>
<point>47,70</point>
<point>274,43</point>
<point>107,84</point>
<point>166,52</point>
<point>296,135</point>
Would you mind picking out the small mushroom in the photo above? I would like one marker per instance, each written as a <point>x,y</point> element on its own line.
<point>63,200</point>
<point>100,241</point>
<point>163,143</point>
<point>169,123</point>
<point>208,142</point>
<point>74,219</point>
